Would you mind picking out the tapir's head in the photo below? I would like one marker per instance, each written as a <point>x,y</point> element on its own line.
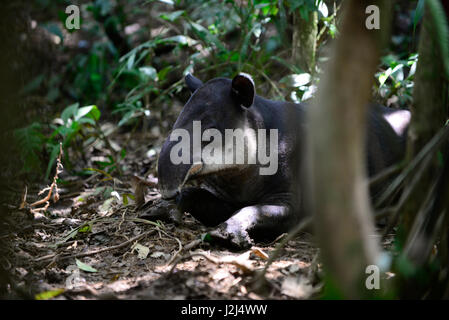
<point>214,106</point>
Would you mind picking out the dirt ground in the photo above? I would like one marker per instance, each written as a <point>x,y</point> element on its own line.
<point>92,244</point>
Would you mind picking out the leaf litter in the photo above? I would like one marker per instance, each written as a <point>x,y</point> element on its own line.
<point>92,244</point>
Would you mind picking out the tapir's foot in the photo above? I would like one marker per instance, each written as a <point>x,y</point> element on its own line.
<point>253,222</point>
<point>236,239</point>
<point>164,210</point>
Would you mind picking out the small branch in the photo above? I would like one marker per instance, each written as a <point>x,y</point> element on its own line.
<point>234,262</point>
<point>90,253</point>
<point>307,222</point>
<point>53,189</point>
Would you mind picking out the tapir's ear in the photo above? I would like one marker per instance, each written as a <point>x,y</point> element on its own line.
<point>243,90</point>
<point>192,82</point>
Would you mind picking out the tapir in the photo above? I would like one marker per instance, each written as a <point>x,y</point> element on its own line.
<point>239,200</point>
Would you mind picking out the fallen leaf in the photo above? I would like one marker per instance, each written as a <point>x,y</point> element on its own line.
<point>294,268</point>
<point>142,251</point>
<point>298,288</point>
<point>85,267</point>
<point>48,294</point>
<point>258,252</point>
<point>107,206</point>
<point>157,254</point>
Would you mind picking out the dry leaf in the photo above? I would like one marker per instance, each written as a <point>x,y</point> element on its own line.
<point>142,251</point>
<point>258,252</point>
<point>298,288</point>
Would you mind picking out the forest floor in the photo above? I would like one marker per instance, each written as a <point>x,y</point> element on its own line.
<point>92,244</point>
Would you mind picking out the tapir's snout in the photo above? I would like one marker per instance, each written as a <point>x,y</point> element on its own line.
<point>172,176</point>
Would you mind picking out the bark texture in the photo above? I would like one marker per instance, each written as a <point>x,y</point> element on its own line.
<point>429,110</point>
<point>337,179</point>
<point>304,41</point>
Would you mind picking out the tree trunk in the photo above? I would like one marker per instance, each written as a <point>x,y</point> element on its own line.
<point>429,111</point>
<point>304,41</point>
<point>339,196</point>
<point>424,218</point>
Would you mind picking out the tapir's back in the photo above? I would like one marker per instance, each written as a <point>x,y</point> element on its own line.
<point>386,137</point>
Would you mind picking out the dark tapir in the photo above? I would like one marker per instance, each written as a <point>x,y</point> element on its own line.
<point>241,199</point>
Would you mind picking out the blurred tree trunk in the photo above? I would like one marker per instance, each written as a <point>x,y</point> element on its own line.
<point>424,218</point>
<point>304,40</point>
<point>429,111</point>
<point>339,195</point>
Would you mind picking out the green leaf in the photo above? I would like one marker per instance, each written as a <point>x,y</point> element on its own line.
<point>287,64</point>
<point>126,196</point>
<point>163,73</point>
<point>149,72</point>
<point>71,235</point>
<point>206,36</point>
<point>418,14</point>
<point>86,120</point>
<point>131,60</point>
<point>69,112</point>
<point>184,40</point>
<point>53,155</point>
<point>109,177</point>
<point>122,154</point>
<point>86,228</point>
<point>297,80</point>
<point>322,8</point>
<point>206,237</point>
<point>46,295</point>
<point>172,16</point>
<point>441,29</point>
<point>85,267</point>
<point>127,116</point>
<point>88,111</point>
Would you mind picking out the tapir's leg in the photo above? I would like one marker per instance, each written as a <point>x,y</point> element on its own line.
<point>205,206</point>
<point>254,222</point>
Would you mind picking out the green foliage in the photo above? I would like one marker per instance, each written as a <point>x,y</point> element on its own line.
<point>218,38</point>
<point>30,141</point>
<point>77,128</point>
<point>304,7</point>
<point>395,81</point>
<point>418,14</point>
<point>208,38</point>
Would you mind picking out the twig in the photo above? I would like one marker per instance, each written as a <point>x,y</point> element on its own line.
<point>384,174</point>
<point>234,262</point>
<point>24,198</point>
<point>301,227</point>
<point>193,244</point>
<point>53,189</point>
<point>273,85</point>
<point>139,186</point>
<point>190,255</point>
<point>79,255</point>
<point>164,232</point>
<point>406,194</point>
<point>430,147</point>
